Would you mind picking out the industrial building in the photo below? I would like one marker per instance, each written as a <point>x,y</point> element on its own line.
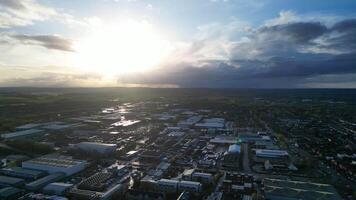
<point>167,185</point>
<point>237,184</point>
<point>265,153</point>
<point>28,126</point>
<point>253,137</point>
<point>9,193</point>
<point>234,148</point>
<point>21,134</point>
<point>55,163</point>
<point>189,122</point>
<point>174,186</point>
<point>22,173</point>
<point>57,188</point>
<point>189,186</point>
<point>277,189</point>
<point>223,140</point>
<point>95,147</point>
<point>212,123</point>
<point>6,181</point>
<point>102,185</point>
<point>97,182</point>
<point>40,183</point>
<point>202,177</point>
<point>192,175</point>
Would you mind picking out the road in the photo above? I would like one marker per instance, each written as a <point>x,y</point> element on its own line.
<point>246,159</point>
<point>220,182</point>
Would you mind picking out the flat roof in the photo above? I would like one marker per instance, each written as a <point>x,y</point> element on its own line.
<point>190,183</point>
<point>98,144</point>
<point>28,126</point>
<point>24,171</point>
<point>163,180</point>
<point>210,124</point>
<point>10,180</point>
<point>55,161</point>
<point>131,152</point>
<point>20,133</point>
<point>8,191</point>
<point>61,184</point>
<point>46,179</point>
<point>299,190</point>
<point>269,151</point>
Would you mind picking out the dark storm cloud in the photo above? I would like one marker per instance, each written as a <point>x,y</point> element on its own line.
<point>283,55</point>
<point>300,32</point>
<point>342,36</point>
<point>346,25</point>
<point>47,41</point>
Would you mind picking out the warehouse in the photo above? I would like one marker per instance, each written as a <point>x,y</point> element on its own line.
<point>21,134</point>
<point>23,173</point>
<point>202,177</point>
<point>212,123</point>
<point>101,148</point>
<point>10,193</point>
<point>223,140</point>
<point>57,188</point>
<point>172,186</point>
<point>271,153</point>
<point>189,186</point>
<point>55,163</point>
<point>40,183</point>
<point>6,181</point>
<point>167,185</point>
<point>96,182</point>
<point>234,148</point>
<point>276,189</point>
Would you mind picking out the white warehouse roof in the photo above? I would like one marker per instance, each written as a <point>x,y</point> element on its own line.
<point>53,163</point>
<point>21,133</point>
<point>97,147</point>
<point>234,148</point>
<point>271,153</point>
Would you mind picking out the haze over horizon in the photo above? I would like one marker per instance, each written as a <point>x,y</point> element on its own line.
<point>178,43</point>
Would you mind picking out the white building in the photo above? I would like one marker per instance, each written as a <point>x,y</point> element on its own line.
<point>101,148</point>
<point>234,148</point>
<point>55,163</point>
<point>266,153</point>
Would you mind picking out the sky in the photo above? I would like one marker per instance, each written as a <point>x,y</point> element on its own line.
<point>178,43</point>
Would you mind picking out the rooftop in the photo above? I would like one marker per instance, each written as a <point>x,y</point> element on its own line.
<point>23,171</point>
<point>8,191</point>
<point>10,180</point>
<point>20,133</point>
<point>299,190</point>
<point>55,161</point>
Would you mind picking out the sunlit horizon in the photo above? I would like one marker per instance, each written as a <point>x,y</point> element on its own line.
<point>200,43</point>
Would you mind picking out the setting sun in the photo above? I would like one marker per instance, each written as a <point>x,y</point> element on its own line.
<point>121,47</point>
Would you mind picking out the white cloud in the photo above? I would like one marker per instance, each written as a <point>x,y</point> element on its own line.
<point>15,13</point>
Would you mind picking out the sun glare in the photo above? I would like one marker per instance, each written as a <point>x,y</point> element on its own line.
<point>119,48</point>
